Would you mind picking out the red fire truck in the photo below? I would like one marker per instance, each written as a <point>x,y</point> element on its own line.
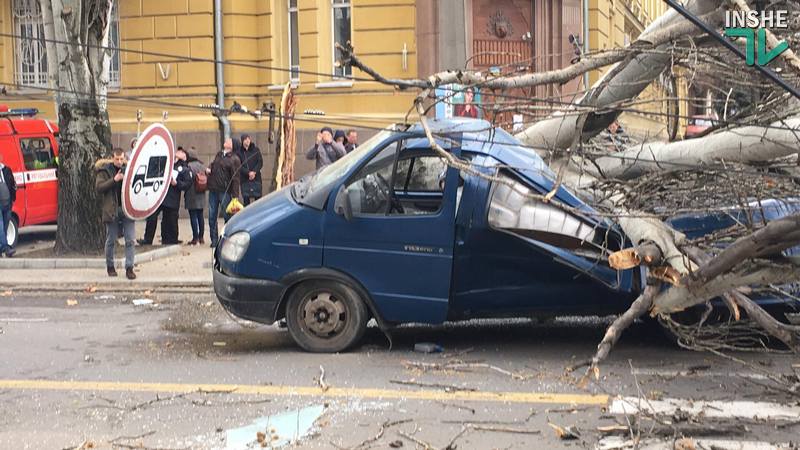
<point>30,148</point>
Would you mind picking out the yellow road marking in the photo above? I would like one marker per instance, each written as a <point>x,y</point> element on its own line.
<point>288,391</point>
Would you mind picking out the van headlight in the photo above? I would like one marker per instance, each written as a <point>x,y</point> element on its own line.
<point>234,247</point>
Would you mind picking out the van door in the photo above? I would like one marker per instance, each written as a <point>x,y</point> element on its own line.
<point>399,242</point>
<point>11,158</point>
<point>39,163</point>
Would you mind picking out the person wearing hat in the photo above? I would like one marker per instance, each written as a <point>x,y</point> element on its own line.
<point>325,151</point>
<point>340,138</point>
<point>250,172</point>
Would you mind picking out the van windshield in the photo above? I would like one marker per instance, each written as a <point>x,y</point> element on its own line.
<point>326,176</point>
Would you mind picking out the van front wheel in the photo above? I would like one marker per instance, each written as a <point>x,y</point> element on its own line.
<point>325,316</point>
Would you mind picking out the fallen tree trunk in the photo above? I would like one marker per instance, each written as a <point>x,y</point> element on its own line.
<point>559,130</point>
<point>743,144</point>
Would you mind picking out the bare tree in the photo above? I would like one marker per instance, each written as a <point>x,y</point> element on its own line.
<point>76,32</point>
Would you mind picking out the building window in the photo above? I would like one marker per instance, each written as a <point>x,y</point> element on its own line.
<point>113,42</point>
<point>294,43</point>
<point>31,51</point>
<point>341,35</point>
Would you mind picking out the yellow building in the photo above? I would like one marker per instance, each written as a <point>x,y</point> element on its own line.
<point>168,47</point>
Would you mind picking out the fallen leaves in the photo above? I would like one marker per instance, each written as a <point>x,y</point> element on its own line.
<point>72,302</point>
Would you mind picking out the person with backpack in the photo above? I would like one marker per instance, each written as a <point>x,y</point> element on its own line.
<point>195,198</point>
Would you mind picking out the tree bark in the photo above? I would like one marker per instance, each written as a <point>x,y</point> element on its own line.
<point>742,144</point>
<point>79,74</point>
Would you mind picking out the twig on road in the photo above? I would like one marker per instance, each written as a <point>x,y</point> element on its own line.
<point>453,405</point>
<point>411,438</point>
<point>130,438</point>
<point>502,429</point>
<point>463,366</point>
<point>446,387</point>
<point>321,380</point>
<point>384,427</point>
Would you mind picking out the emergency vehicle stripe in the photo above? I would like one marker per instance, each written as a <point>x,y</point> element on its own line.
<point>34,176</point>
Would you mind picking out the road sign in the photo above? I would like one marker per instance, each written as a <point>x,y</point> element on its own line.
<point>148,174</point>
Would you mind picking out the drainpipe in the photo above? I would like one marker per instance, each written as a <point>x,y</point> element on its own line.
<point>585,20</point>
<point>224,124</point>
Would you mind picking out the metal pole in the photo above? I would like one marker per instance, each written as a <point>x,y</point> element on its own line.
<point>220,70</point>
<point>766,71</point>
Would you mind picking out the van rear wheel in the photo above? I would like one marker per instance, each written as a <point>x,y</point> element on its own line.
<point>325,316</point>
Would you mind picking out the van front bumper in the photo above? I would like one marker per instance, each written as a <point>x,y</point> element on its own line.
<point>248,298</point>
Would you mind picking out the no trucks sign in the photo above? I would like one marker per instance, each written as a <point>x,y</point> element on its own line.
<point>149,172</point>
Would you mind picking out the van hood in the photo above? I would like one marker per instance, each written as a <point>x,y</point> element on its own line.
<point>263,213</point>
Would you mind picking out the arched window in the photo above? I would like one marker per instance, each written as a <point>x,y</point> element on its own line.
<point>31,51</point>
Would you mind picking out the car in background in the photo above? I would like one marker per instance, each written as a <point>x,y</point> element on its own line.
<point>698,125</point>
<point>30,148</point>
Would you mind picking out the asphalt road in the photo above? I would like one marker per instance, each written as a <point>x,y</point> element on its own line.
<point>104,373</point>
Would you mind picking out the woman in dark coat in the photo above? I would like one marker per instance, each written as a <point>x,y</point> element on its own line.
<point>250,172</point>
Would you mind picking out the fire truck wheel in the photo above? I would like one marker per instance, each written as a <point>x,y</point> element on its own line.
<point>12,233</point>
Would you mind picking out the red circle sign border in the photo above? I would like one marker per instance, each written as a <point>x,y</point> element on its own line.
<point>155,129</point>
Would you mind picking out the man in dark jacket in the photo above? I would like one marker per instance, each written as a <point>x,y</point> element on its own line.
<point>223,185</point>
<point>250,172</point>
<point>182,179</point>
<point>326,151</point>
<point>108,183</point>
<point>8,195</point>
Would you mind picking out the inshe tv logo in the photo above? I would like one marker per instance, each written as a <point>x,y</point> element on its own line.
<point>752,25</point>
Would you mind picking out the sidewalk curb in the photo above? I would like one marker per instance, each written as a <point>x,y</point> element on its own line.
<point>155,287</point>
<point>85,263</point>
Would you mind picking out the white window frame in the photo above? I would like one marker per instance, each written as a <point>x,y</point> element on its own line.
<point>347,71</point>
<point>294,71</point>
<point>28,13</point>
<point>114,75</point>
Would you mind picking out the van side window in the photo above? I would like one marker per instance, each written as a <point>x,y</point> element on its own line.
<point>369,189</point>
<point>37,153</point>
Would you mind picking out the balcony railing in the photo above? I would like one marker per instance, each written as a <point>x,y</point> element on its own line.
<point>491,52</point>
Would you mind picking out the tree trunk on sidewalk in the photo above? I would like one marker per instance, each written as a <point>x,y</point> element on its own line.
<point>79,75</point>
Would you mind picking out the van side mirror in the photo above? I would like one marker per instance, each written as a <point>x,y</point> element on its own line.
<point>342,204</point>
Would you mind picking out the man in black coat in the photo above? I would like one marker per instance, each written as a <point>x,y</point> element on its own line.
<point>182,179</point>
<point>8,194</point>
<point>250,172</point>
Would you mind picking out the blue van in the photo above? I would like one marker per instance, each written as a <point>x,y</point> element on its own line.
<point>390,232</point>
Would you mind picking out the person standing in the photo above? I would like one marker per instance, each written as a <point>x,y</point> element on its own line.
<point>250,172</point>
<point>340,137</point>
<point>108,183</point>
<point>352,141</point>
<point>325,151</point>
<point>195,197</point>
<point>223,185</point>
<point>8,195</point>
<point>182,179</point>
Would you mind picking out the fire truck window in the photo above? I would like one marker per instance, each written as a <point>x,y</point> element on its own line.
<point>37,153</point>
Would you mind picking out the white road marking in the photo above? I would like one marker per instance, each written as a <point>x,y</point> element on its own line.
<point>618,443</point>
<point>23,319</point>
<point>716,409</point>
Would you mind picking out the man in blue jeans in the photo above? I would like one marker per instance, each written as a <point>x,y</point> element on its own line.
<point>108,184</point>
<point>223,185</point>
<point>8,194</point>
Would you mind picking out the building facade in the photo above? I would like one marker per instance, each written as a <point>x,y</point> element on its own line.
<point>165,67</point>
